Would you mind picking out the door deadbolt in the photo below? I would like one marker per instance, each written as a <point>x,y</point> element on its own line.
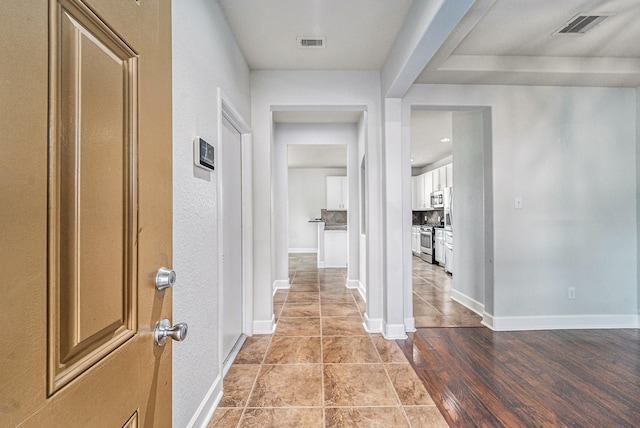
<point>165,278</point>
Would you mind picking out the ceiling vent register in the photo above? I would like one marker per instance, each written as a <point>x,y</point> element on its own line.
<point>582,23</point>
<point>311,42</point>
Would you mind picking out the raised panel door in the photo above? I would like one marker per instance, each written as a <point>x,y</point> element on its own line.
<point>86,212</point>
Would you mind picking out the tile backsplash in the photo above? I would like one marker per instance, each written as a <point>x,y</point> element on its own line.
<point>333,217</point>
<point>431,217</point>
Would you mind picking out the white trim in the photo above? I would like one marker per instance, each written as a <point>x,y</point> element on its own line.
<point>372,325</point>
<point>564,322</point>
<point>363,291</point>
<point>227,110</point>
<point>264,326</point>
<point>281,284</point>
<point>410,324</point>
<point>321,264</point>
<point>467,302</point>
<point>393,331</point>
<point>303,250</point>
<point>487,320</point>
<point>352,284</point>
<point>208,406</point>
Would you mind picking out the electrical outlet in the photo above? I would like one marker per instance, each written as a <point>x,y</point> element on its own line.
<point>571,293</point>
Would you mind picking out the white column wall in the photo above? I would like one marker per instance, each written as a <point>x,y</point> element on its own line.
<point>570,153</point>
<point>398,299</point>
<point>468,209</point>
<point>205,57</point>
<point>304,90</point>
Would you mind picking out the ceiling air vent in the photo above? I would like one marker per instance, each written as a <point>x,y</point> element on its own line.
<point>582,23</point>
<point>311,42</point>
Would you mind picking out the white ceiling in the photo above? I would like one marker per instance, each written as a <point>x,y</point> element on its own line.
<point>512,42</point>
<point>497,42</point>
<point>359,33</point>
<point>427,129</point>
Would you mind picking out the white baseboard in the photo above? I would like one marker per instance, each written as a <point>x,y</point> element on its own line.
<point>264,326</point>
<point>487,320</point>
<point>410,324</point>
<point>393,331</point>
<point>363,291</point>
<point>281,284</point>
<point>468,302</point>
<point>303,250</point>
<point>563,322</point>
<point>352,283</point>
<point>372,325</point>
<point>203,414</point>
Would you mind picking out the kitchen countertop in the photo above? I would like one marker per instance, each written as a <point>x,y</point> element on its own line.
<point>335,227</point>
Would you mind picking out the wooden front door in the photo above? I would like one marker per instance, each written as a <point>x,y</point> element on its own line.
<point>85,209</point>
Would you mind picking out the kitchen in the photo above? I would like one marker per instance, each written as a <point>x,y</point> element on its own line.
<point>432,188</point>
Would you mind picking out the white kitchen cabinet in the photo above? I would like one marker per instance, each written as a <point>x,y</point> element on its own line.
<point>335,248</point>
<point>337,192</point>
<point>414,193</point>
<point>427,189</point>
<point>449,175</point>
<point>421,192</point>
<point>438,179</point>
<point>415,240</point>
<point>439,246</point>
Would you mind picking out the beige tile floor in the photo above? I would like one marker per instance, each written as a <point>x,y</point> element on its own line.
<point>432,303</point>
<point>320,368</point>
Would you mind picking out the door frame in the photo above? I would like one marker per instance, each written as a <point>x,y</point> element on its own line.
<point>227,110</point>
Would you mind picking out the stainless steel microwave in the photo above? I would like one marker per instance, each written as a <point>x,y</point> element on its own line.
<point>437,199</point>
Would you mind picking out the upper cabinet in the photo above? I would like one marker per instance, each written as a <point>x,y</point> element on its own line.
<point>422,185</point>
<point>337,193</point>
<point>442,177</point>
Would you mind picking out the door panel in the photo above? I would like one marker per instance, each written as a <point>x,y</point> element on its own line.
<point>86,212</point>
<point>232,237</point>
<point>92,194</point>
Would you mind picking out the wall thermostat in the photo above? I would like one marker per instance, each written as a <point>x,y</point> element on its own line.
<point>203,154</point>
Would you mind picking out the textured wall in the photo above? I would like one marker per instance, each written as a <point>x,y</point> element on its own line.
<point>205,56</point>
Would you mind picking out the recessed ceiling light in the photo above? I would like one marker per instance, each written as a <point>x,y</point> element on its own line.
<point>411,160</point>
<point>445,140</point>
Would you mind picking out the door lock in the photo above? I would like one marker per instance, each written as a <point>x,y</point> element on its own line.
<point>165,278</point>
<point>164,331</point>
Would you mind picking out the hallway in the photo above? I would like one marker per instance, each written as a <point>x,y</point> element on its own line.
<point>320,368</point>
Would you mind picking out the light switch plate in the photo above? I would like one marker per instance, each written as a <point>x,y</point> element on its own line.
<point>517,202</point>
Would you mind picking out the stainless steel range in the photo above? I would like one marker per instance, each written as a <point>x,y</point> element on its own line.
<point>426,244</point>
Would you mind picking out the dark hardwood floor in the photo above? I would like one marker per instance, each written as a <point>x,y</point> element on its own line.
<point>573,378</point>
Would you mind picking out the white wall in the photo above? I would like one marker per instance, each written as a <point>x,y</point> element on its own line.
<point>274,90</point>
<point>205,56</point>
<point>307,196</point>
<point>570,153</point>
<point>468,208</point>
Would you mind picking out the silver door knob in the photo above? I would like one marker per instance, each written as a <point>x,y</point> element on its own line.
<point>165,278</point>
<point>164,331</point>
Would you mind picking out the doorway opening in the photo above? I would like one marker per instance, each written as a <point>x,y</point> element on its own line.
<point>450,151</point>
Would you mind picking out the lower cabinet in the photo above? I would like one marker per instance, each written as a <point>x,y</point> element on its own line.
<point>335,248</point>
<point>439,246</point>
